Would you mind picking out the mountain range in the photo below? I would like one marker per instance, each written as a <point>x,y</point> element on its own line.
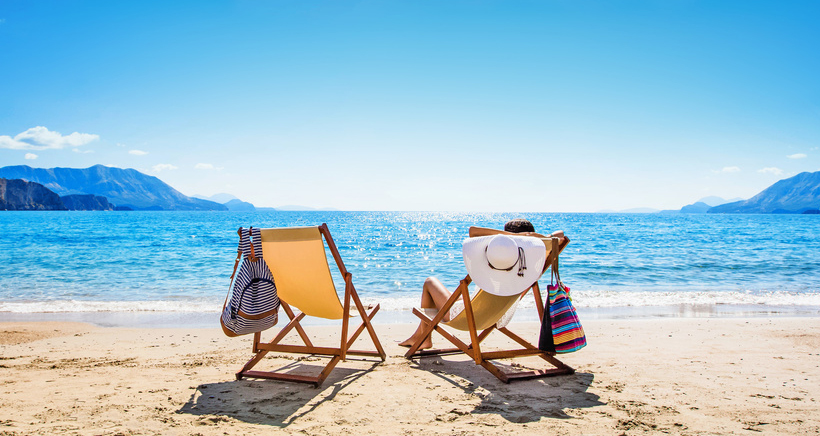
<point>125,188</point>
<point>234,204</point>
<point>704,204</point>
<point>798,194</point>
<point>700,206</point>
<point>106,188</point>
<point>229,201</point>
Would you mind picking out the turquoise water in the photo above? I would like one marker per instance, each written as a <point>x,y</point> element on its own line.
<point>180,261</point>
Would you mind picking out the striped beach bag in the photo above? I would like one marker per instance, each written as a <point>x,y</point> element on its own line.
<point>252,304</point>
<point>561,330</point>
<point>567,333</point>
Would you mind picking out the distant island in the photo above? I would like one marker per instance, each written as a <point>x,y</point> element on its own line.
<point>105,188</point>
<point>229,201</point>
<point>16,194</point>
<point>108,188</point>
<point>700,206</point>
<point>795,195</point>
<point>798,194</point>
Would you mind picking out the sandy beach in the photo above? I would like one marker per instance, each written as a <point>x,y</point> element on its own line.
<point>687,376</point>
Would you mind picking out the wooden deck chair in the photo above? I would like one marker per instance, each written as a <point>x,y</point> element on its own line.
<point>298,262</point>
<point>481,315</point>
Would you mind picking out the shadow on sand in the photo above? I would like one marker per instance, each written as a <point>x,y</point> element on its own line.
<point>519,401</point>
<point>270,402</point>
<point>280,404</point>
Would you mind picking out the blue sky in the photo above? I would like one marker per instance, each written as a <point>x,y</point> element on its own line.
<point>555,106</point>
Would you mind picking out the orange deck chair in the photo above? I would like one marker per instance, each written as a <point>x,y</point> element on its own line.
<point>483,313</point>
<point>298,262</point>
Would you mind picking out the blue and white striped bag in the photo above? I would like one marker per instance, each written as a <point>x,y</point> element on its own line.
<point>252,304</point>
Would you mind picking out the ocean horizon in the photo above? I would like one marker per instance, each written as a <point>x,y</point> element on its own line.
<point>131,268</point>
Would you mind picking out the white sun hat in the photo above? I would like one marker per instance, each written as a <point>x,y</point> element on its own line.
<point>504,265</point>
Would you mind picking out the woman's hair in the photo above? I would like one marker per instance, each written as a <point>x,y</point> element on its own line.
<point>518,225</point>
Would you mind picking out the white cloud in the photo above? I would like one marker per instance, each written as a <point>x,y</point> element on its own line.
<point>40,138</point>
<point>161,167</point>
<point>797,156</point>
<point>8,142</point>
<point>206,166</point>
<point>77,150</point>
<point>137,152</point>
<point>730,170</point>
<point>31,156</point>
<point>771,170</point>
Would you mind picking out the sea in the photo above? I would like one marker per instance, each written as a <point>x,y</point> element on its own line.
<point>173,268</point>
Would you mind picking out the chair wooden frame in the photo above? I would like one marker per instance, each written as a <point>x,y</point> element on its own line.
<point>473,350</point>
<point>336,354</point>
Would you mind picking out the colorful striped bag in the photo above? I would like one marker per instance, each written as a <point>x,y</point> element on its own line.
<point>567,333</point>
<point>561,331</point>
<point>252,304</point>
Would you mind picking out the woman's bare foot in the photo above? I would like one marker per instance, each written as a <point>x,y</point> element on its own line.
<point>428,343</point>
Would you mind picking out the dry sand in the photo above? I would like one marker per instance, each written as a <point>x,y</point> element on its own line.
<point>679,376</point>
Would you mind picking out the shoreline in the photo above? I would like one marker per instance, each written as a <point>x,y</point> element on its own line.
<point>636,376</point>
<point>146,319</point>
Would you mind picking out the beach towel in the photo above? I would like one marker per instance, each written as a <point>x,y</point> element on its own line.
<point>252,304</point>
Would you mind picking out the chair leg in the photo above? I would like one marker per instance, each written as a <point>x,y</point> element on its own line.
<point>433,324</point>
<point>494,370</point>
<point>334,353</point>
<point>484,359</point>
<point>446,351</point>
<point>251,363</point>
<point>326,371</point>
<point>367,322</point>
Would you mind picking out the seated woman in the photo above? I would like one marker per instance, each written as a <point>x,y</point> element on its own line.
<point>434,294</point>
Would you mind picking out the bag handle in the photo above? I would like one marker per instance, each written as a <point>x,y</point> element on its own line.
<point>235,264</point>
<point>238,254</point>
<point>252,241</point>
<point>554,276</point>
<point>255,242</point>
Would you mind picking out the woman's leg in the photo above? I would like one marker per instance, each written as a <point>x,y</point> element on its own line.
<point>433,296</point>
